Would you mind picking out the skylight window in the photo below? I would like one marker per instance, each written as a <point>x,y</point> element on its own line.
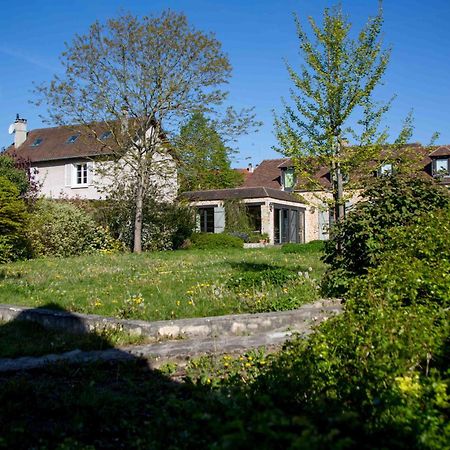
<point>72,139</point>
<point>36,142</point>
<point>105,135</point>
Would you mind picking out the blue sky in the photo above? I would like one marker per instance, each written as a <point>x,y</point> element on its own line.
<point>257,35</point>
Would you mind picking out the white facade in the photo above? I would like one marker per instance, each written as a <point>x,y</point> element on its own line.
<point>88,179</point>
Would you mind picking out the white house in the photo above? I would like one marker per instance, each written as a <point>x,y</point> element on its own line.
<point>67,163</point>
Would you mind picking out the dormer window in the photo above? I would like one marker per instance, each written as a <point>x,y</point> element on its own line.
<point>105,135</point>
<point>441,166</point>
<point>72,139</point>
<point>288,179</point>
<point>36,142</point>
<point>385,169</point>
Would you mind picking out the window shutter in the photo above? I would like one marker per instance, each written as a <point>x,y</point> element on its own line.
<point>90,173</point>
<point>219,219</point>
<point>68,174</point>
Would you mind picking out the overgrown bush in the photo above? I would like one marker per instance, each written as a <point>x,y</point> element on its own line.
<point>236,217</point>
<point>358,241</point>
<point>211,241</point>
<point>310,247</point>
<point>166,226</point>
<point>414,267</point>
<point>374,377</point>
<point>13,220</point>
<point>62,229</point>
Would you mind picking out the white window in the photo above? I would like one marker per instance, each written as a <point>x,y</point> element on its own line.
<point>81,174</point>
<point>386,169</point>
<point>441,166</point>
<point>288,179</point>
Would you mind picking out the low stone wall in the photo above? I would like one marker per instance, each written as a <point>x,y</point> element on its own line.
<point>205,327</point>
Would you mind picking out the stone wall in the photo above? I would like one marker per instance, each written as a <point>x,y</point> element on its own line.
<point>232,325</point>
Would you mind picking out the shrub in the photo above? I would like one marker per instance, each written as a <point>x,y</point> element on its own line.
<point>414,267</point>
<point>16,176</point>
<point>310,247</point>
<point>210,241</point>
<point>62,229</point>
<point>165,226</point>
<point>357,243</point>
<point>13,219</point>
<point>236,217</point>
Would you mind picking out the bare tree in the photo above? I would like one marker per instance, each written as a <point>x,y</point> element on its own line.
<point>134,80</point>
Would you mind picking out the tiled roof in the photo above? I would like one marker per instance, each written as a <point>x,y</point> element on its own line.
<point>441,151</point>
<point>267,174</point>
<point>54,144</point>
<point>244,172</point>
<point>240,193</point>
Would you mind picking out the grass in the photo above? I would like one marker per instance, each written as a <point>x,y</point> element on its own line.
<point>166,285</point>
<point>22,338</point>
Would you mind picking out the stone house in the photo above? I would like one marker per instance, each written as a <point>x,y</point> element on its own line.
<point>279,174</point>
<point>67,162</point>
<point>272,211</point>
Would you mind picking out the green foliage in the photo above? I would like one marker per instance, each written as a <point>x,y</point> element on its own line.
<point>13,220</point>
<point>362,378</point>
<point>205,159</point>
<point>339,72</point>
<point>212,241</point>
<point>183,69</point>
<point>16,176</point>
<point>358,242</point>
<point>165,226</point>
<point>61,229</point>
<point>236,217</point>
<point>414,267</point>
<point>312,246</point>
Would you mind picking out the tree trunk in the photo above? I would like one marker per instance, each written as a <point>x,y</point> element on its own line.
<point>339,199</point>
<point>137,246</point>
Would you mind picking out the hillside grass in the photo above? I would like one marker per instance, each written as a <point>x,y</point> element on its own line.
<point>166,285</point>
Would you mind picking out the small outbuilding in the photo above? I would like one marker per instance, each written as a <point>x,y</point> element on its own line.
<point>278,213</point>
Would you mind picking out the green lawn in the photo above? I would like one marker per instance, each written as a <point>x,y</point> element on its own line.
<point>166,285</point>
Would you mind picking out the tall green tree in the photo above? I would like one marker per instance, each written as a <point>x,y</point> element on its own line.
<point>205,159</point>
<point>16,176</point>
<point>333,100</point>
<point>140,78</point>
<point>13,219</point>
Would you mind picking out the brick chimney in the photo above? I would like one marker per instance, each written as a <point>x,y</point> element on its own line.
<point>20,131</point>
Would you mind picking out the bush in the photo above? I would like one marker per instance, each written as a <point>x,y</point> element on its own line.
<point>16,176</point>
<point>310,247</point>
<point>357,243</point>
<point>13,220</point>
<point>414,267</point>
<point>62,229</point>
<point>210,241</point>
<point>166,226</point>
